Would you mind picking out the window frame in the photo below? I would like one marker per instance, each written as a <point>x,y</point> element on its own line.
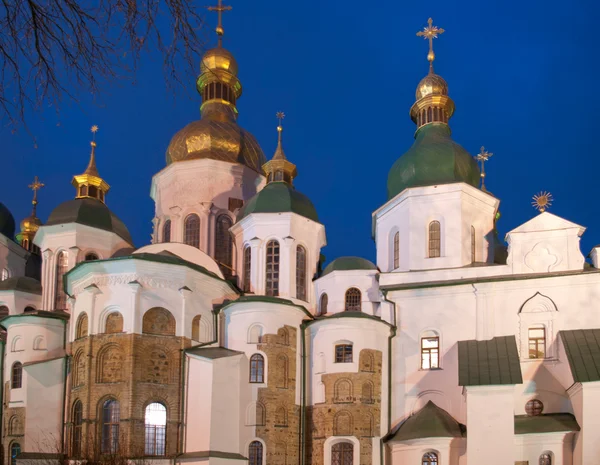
<point>61,267</point>
<point>301,281</point>
<point>257,369</point>
<point>16,375</point>
<point>339,456</point>
<point>473,245</point>
<point>536,342</point>
<point>77,428</point>
<point>434,244</point>
<point>429,351</point>
<point>191,230</point>
<point>355,307</point>
<point>272,264</point>
<point>247,267</point>
<point>13,456</point>
<point>157,434</point>
<point>343,352</point>
<point>430,458</point>
<point>256,456</point>
<point>110,429</point>
<point>224,244</point>
<point>534,408</point>
<point>167,229</point>
<point>396,250</point>
<point>323,302</point>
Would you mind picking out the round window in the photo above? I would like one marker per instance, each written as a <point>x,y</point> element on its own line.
<point>534,407</point>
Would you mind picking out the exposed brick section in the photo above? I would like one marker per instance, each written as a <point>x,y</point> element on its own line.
<point>352,407</point>
<point>14,429</point>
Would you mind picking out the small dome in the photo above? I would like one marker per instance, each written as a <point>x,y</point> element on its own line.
<point>31,224</point>
<point>218,58</point>
<point>90,212</point>
<point>349,263</point>
<point>279,197</point>
<point>185,252</point>
<point>432,84</point>
<point>7,222</point>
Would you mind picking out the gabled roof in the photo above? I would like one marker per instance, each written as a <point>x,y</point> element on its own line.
<point>429,422</point>
<point>546,222</point>
<point>583,352</point>
<point>547,423</point>
<point>488,363</point>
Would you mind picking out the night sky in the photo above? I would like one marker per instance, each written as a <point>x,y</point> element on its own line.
<point>523,76</point>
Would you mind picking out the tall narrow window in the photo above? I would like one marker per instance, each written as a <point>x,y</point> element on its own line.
<point>5,274</point>
<point>430,352</point>
<point>473,245</point>
<point>111,416</point>
<point>192,230</point>
<point>323,304</point>
<point>396,250</point>
<point>224,245</point>
<point>77,432</point>
<point>430,458</point>
<point>537,342</point>
<point>434,239</point>
<point>15,449</point>
<point>16,379</point>
<point>272,271</point>
<point>342,453</point>
<point>155,420</point>
<point>257,369</point>
<point>545,459</point>
<point>353,300</point>
<point>255,453</point>
<point>300,273</point>
<point>247,268</point>
<point>62,266</point>
<point>166,231</point>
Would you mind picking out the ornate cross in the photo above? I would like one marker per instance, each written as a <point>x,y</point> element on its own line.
<point>280,115</point>
<point>429,33</point>
<point>35,186</point>
<point>482,157</point>
<point>542,201</point>
<point>220,8</point>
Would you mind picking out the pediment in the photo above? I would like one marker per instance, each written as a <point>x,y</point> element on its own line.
<point>547,222</point>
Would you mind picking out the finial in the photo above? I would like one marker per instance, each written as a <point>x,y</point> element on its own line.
<point>279,151</point>
<point>35,186</point>
<point>542,201</point>
<point>220,8</point>
<point>91,168</point>
<point>429,33</point>
<point>482,157</point>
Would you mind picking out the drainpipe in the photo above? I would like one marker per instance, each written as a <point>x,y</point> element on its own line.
<point>303,398</point>
<point>393,332</point>
<point>2,347</point>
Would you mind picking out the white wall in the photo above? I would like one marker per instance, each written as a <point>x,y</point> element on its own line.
<point>336,283</point>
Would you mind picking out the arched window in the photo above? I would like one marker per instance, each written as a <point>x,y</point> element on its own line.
<point>196,328</point>
<point>16,379</point>
<point>158,321</point>
<point>429,115</point>
<point>155,420</point>
<point>15,449</point>
<point>534,407</point>
<point>272,269</point>
<point>280,418</point>
<point>114,323</point>
<point>62,266</point>
<point>224,244</point>
<point>109,432</point>
<point>434,239</point>
<point>342,453</point>
<point>300,273</point>
<point>430,351</point>
<point>323,304</point>
<point>166,231</point>
<point>255,334</point>
<point>3,310</point>
<point>430,458</point>
<point>473,244</point>
<point>257,369</point>
<point>537,342</point>
<point>255,453</point>
<point>81,330</point>
<point>14,426</point>
<point>5,274</point>
<point>247,268</point>
<point>282,372</point>
<point>546,459</point>
<point>29,309</point>
<point>367,393</point>
<point>91,256</point>
<point>353,300</point>
<point>192,231</point>
<point>78,369</point>
<point>396,250</point>
<point>77,432</point>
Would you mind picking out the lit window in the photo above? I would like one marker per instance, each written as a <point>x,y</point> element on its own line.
<point>192,231</point>
<point>430,352</point>
<point>300,273</point>
<point>166,232</point>
<point>396,250</point>
<point>247,268</point>
<point>62,266</point>
<point>534,407</point>
<point>343,353</point>
<point>342,453</point>
<point>156,428</point>
<point>473,248</point>
<point>434,239</point>
<point>545,459</point>
<point>537,342</point>
<point>5,274</point>
<point>77,429</point>
<point>257,369</point>
<point>224,245</point>
<point>430,458</point>
<point>111,416</point>
<point>17,376</point>
<point>255,453</point>
<point>323,305</point>
<point>353,300</point>
<point>15,449</point>
<point>272,271</point>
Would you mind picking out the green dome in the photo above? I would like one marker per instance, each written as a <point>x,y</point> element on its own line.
<point>433,159</point>
<point>349,263</point>
<point>90,212</point>
<point>279,197</point>
<point>7,222</point>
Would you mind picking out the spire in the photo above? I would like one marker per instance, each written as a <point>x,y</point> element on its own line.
<point>279,169</point>
<point>430,32</point>
<point>90,184</point>
<point>220,8</point>
<point>31,224</point>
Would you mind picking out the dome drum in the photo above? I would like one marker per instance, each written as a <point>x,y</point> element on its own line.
<point>432,101</point>
<point>222,77</point>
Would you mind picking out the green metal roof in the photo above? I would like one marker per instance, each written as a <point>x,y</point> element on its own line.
<point>54,314</point>
<point>487,363</point>
<point>583,352</point>
<point>429,422</point>
<point>7,222</point>
<point>546,423</point>
<point>433,159</point>
<point>279,197</point>
<point>350,314</point>
<point>349,263</point>
<point>23,284</point>
<point>90,212</point>
<point>213,352</point>
<point>262,298</point>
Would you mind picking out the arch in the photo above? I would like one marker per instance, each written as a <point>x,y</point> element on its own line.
<point>343,423</point>
<point>14,426</point>
<point>110,364</point>
<point>166,231</point>
<point>224,244</point>
<point>257,369</point>
<point>255,333</point>
<point>279,453</point>
<point>538,303</point>
<point>247,268</point>
<point>90,256</point>
<point>369,429</point>
<point>396,250</point>
<point>342,391</point>
<point>272,269</point>
<point>320,365</point>
<point>255,414</point>
<point>114,323</point>
<point>81,328</point>
<point>430,458</point>
<point>367,393</point>
<point>284,336</point>
<point>255,453</point>
<point>110,417</point>
<point>77,429</point>
<point>301,273</point>
<point>4,310</point>
<point>5,274</point>
<point>155,425</point>
<point>62,266</point>
<point>280,417</point>
<point>16,379</point>
<point>17,344</point>
<point>196,327</point>
<point>15,450</point>
<point>282,371</point>
<point>320,393</point>
<point>323,302</point>
<point>158,366</point>
<point>342,453</point>
<point>353,300</point>
<point>191,230</point>
<point>78,369</point>
<point>158,321</point>
<point>473,245</point>
<point>546,458</point>
<point>434,237</point>
<point>29,308</point>
<point>366,361</point>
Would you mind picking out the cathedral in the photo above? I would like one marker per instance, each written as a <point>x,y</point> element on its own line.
<point>227,340</point>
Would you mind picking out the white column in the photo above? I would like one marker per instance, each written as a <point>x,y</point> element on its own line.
<point>256,267</point>
<point>185,328</point>
<point>286,271</point>
<point>73,256</point>
<point>135,317</point>
<point>47,256</point>
<point>204,213</point>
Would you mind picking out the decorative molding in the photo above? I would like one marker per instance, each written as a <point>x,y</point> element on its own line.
<point>542,257</point>
<point>130,279</point>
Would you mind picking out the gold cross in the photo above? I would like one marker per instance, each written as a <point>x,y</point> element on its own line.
<point>482,157</point>
<point>220,8</point>
<point>280,115</point>
<point>36,186</point>
<point>429,33</point>
<point>542,201</point>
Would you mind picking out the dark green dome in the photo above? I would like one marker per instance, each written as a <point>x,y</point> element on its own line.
<point>349,263</point>
<point>90,212</point>
<point>279,197</point>
<point>433,159</point>
<point>7,222</point>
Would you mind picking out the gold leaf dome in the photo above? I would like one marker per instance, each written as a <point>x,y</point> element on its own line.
<point>432,84</point>
<point>218,58</point>
<point>31,224</point>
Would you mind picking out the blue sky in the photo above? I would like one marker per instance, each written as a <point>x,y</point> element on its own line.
<point>522,74</point>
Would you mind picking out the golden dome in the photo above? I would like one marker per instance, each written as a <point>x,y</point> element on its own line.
<point>31,224</point>
<point>218,58</point>
<point>432,84</point>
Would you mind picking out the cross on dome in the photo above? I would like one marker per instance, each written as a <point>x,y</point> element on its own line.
<point>220,8</point>
<point>430,32</point>
<point>482,157</point>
